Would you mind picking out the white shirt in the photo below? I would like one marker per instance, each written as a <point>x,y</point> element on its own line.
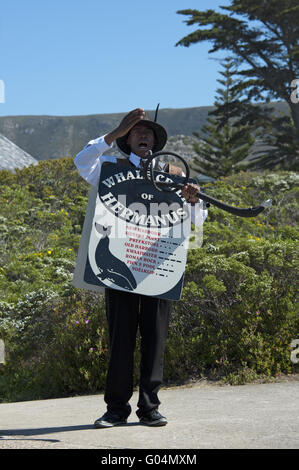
<point>89,163</point>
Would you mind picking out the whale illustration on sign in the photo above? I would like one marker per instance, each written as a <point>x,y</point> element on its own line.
<point>110,267</point>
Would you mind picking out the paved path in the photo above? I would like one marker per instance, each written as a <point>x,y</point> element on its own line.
<point>202,416</point>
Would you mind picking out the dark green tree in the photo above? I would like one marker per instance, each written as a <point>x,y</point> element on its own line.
<point>263,38</point>
<point>226,143</point>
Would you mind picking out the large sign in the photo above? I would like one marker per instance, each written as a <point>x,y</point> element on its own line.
<point>135,238</point>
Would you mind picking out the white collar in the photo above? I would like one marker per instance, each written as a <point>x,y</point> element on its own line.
<point>135,159</point>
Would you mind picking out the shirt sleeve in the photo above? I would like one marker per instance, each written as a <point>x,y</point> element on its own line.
<point>90,159</point>
<point>198,214</point>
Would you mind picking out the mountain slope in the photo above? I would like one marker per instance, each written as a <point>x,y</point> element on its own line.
<point>47,137</point>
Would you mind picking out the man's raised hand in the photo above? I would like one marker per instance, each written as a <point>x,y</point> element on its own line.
<point>129,121</point>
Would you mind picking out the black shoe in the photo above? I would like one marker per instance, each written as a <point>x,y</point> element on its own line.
<point>109,419</point>
<point>153,418</point>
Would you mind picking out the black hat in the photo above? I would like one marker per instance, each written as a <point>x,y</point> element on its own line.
<point>159,132</point>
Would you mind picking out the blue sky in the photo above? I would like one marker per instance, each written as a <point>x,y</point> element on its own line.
<point>78,57</point>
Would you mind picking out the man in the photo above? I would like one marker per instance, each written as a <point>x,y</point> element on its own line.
<point>135,136</point>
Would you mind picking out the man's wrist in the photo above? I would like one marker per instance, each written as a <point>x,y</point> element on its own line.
<point>111,137</point>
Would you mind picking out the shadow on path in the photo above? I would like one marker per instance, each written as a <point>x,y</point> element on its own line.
<point>19,439</point>
<point>39,431</point>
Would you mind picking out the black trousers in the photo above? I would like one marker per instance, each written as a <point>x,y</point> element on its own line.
<point>125,312</point>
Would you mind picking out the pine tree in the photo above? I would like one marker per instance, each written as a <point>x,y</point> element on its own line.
<point>263,36</point>
<point>225,143</point>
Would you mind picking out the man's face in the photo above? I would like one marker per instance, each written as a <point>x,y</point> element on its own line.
<point>141,139</point>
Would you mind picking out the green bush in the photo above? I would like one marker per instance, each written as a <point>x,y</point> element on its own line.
<point>238,313</point>
<point>57,346</point>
